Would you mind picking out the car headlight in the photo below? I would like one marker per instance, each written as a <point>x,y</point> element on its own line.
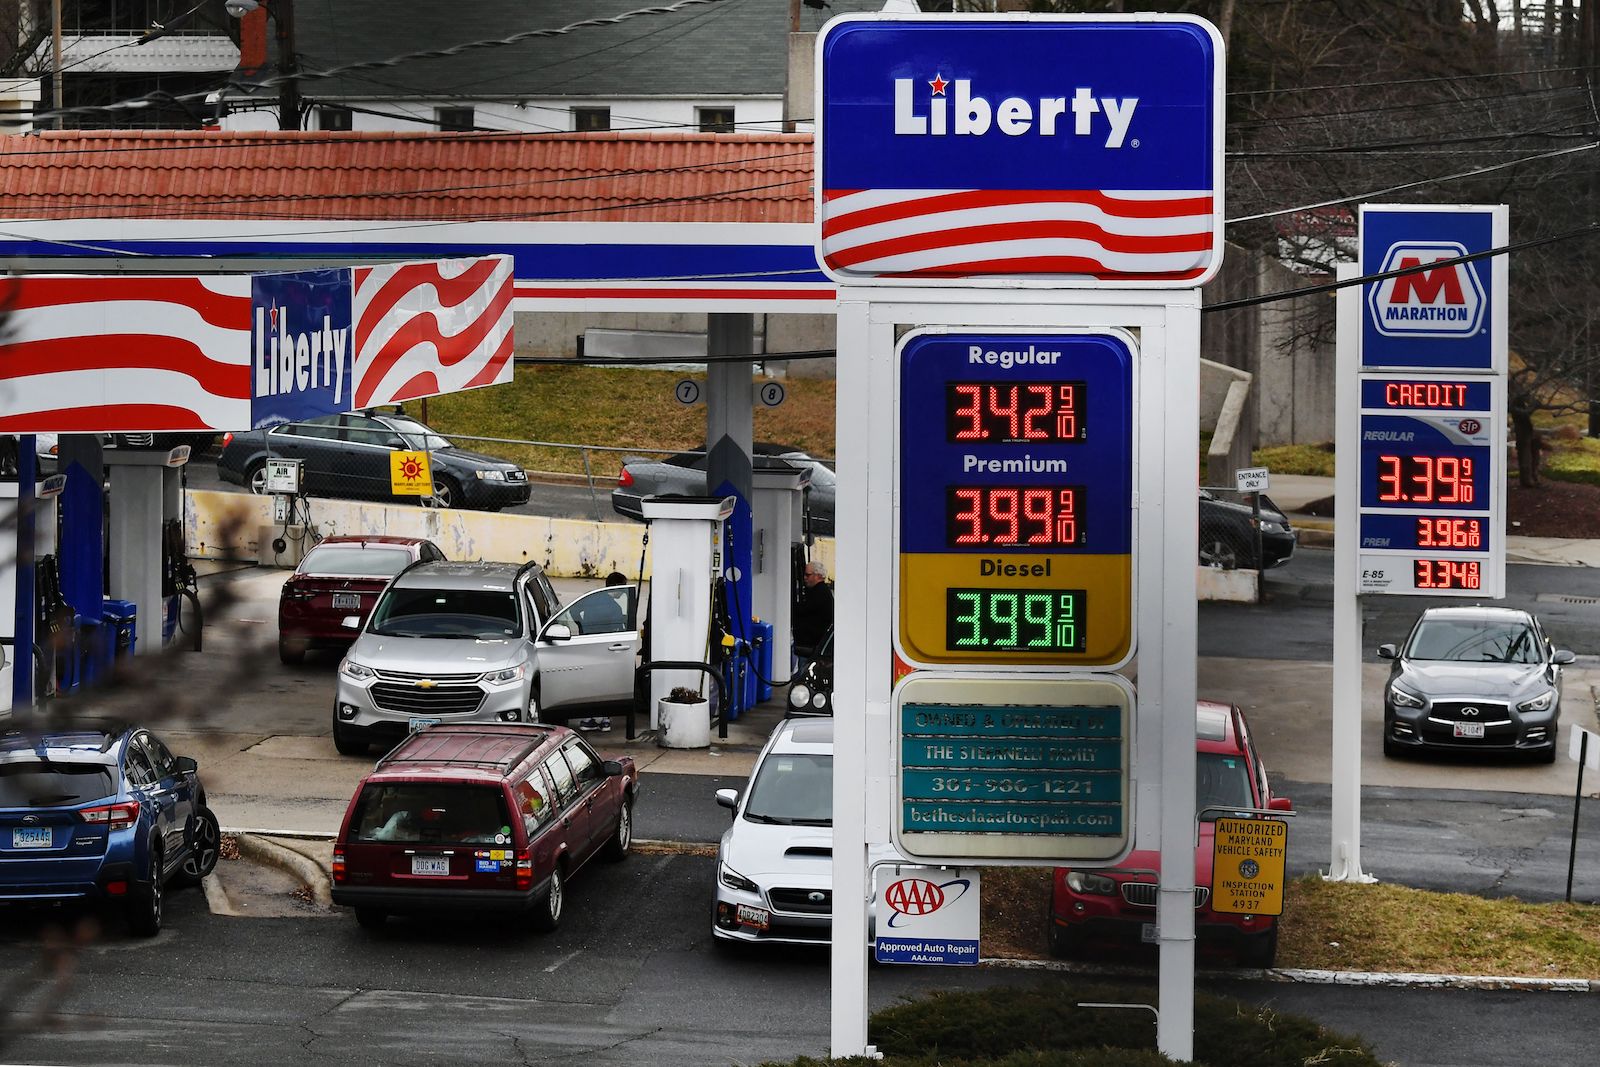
<point>359,672</point>
<point>492,476</point>
<point>1542,702</point>
<point>1274,527</point>
<point>734,880</point>
<point>1088,883</point>
<point>1403,699</point>
<point>819,699</point>
<point>508,674</point>
<point>799,695</point>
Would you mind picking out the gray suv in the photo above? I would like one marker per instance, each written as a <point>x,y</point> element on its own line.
<point>482,642</point>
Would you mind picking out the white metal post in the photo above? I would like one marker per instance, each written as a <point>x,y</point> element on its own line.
<point>1344,863</point>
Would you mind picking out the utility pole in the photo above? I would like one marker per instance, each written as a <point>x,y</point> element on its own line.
<point>55,62</point>
<point>288,66</point>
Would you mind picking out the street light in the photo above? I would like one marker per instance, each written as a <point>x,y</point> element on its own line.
<point>282,13</point>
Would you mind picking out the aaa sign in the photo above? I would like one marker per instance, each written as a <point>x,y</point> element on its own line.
<point>1247,863</point>
<point>410,474</point>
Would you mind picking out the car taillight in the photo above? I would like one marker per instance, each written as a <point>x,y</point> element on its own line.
<point>338,865</point>
<point>227,439</point>
<point>292,591</point>
<point>524,868</point>
<point>624,479</point>
<point>112,816</point>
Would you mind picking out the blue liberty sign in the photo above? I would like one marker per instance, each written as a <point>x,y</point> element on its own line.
<point>301,346</point>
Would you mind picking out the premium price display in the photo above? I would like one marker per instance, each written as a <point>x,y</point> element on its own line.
<point>1015,620</point>
<point>1014,412</point>
<point>1426,479</point>
<point>1449,533</point>
<point>1448,574</point>
<point>1007,515</point>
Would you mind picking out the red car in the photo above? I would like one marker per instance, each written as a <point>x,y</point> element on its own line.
<point>481,817</point>
<point>341,576</point>
<point>1118,904</point>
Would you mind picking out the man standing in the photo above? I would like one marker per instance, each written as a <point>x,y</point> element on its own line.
<point>814,613</point>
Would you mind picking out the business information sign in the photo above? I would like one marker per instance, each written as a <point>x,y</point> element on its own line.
<point>1002,767</point>
<point>1070,150</point>
<point>926,915</point>
<point>1432,393</point>
<point>1015,525</point>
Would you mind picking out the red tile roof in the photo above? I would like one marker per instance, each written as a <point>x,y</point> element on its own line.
<point>606,177</point>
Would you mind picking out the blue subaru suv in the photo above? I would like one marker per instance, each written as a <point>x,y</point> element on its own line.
<point>103,817</point>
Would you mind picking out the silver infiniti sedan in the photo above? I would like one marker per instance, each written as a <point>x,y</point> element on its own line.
<point>1472,679</point>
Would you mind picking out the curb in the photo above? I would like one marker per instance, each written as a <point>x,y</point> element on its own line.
<point>1308,976</point>
<point>216,896</point>
<point>302,867</point>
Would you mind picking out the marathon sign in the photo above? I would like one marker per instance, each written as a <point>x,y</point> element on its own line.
<point>1446,317</point>
<point>300,344</point>
<point>1072,151</point>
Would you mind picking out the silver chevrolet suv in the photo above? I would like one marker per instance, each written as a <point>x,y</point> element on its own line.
<point>482,642</point>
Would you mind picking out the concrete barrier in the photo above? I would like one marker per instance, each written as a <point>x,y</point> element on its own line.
<point>223,525</point>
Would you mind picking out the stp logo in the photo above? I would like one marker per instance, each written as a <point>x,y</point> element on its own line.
<point>1439,302</point>
<point>1469,426</point>
<point>911,898</point>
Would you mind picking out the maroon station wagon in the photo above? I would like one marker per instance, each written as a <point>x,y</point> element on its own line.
<point>341,576</point>
<point>481,817</point>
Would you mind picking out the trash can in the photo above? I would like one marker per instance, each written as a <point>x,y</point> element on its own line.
<point>91,653</point>
<point>121,634</point>
<point>762,645</point>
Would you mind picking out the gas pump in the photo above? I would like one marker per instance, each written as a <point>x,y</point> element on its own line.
<point>37,609</point>
<point>779,502</point>
<point>146,491</point>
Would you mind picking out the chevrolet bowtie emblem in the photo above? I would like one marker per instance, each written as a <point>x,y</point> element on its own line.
<point>426,683</point>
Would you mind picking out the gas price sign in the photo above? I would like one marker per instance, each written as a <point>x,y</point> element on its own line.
<point>1015,526</point>
<point>1430,485</point>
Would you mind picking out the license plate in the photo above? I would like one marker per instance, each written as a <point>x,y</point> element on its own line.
<point>760,918</point>
<point>422,724</point>
<point>1147,933</point>
<point>431,865</point>
<point>1469,729</point>
<point>32,837</point>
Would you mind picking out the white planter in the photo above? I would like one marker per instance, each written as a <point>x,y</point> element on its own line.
<point>684,725</point>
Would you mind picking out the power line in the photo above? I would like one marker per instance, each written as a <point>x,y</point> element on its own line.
<point>1406,81</point>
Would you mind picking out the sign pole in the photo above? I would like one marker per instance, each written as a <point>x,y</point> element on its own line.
<point>1577,801</point>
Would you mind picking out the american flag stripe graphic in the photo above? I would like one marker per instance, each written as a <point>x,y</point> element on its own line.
<point>1068,233</point>
<point>427,328</point>
<point>124,354</point>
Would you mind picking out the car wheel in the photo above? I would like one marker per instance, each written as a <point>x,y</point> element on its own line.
<point>1220,552</point>
<point>348,741</point>
<point>446,493</point>
<point>291,652</point>
<point>371,918</point>
<point>1260,950</point>
<point>548,916</point>
<point>205,846</point>
<point>255,476</point>
<point>1392,748</point>
<point>145,901</point>
<point>621,839</point>
<point>1547,755</point>
<point>535,712</point>
<point>1065,942</point>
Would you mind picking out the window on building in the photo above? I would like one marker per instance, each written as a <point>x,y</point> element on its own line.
<point>591,119</point>
<point>715,119</point>
<point>334,118</point>
<point>454,119</point>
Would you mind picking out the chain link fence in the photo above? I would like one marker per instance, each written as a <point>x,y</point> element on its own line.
<point>1242,530</point>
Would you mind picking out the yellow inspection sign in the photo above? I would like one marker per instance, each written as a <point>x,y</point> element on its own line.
<point>410,474</point>
<point>1247,861</point>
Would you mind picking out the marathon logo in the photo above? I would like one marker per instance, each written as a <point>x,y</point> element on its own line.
<point>288,362</point>
<point>1440,302</point>
<point>931,112</point>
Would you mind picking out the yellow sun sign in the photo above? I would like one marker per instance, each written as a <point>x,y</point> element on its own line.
<point>409,474</point>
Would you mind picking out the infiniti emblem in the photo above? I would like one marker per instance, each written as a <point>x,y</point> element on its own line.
<point>1470,711</point>
<point>816,898</point>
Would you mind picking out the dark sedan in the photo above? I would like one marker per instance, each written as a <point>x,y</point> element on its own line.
<point>685,474</point>
<point>1474,679</point>
<point>349,456</point>
<point>1228,536</point>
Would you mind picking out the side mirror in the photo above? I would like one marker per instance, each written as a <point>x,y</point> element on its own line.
<point>1562,657</point>
<point>728,798</point>
<point>351,622</point>
<point>611,768</point>
<point>557,632</point>
<point>187,765</point>
<point>1280,804</point>
<point>1387,652</point>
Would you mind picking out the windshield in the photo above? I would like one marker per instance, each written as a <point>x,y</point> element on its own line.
<point>1475,641</point>
<point>350,560</point>
<point>1221,782</point>
<point>484,614</point>
<point>36,784</point>
<point>793,788</point>
<point>416,434</point>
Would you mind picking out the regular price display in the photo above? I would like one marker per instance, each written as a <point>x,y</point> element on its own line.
<point>1014,412</point>
<point>1449,533</point>
<point>1407,479</point>
<point>1448,574</point>
<point>1015,516</point>
<point>1015,620</point>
